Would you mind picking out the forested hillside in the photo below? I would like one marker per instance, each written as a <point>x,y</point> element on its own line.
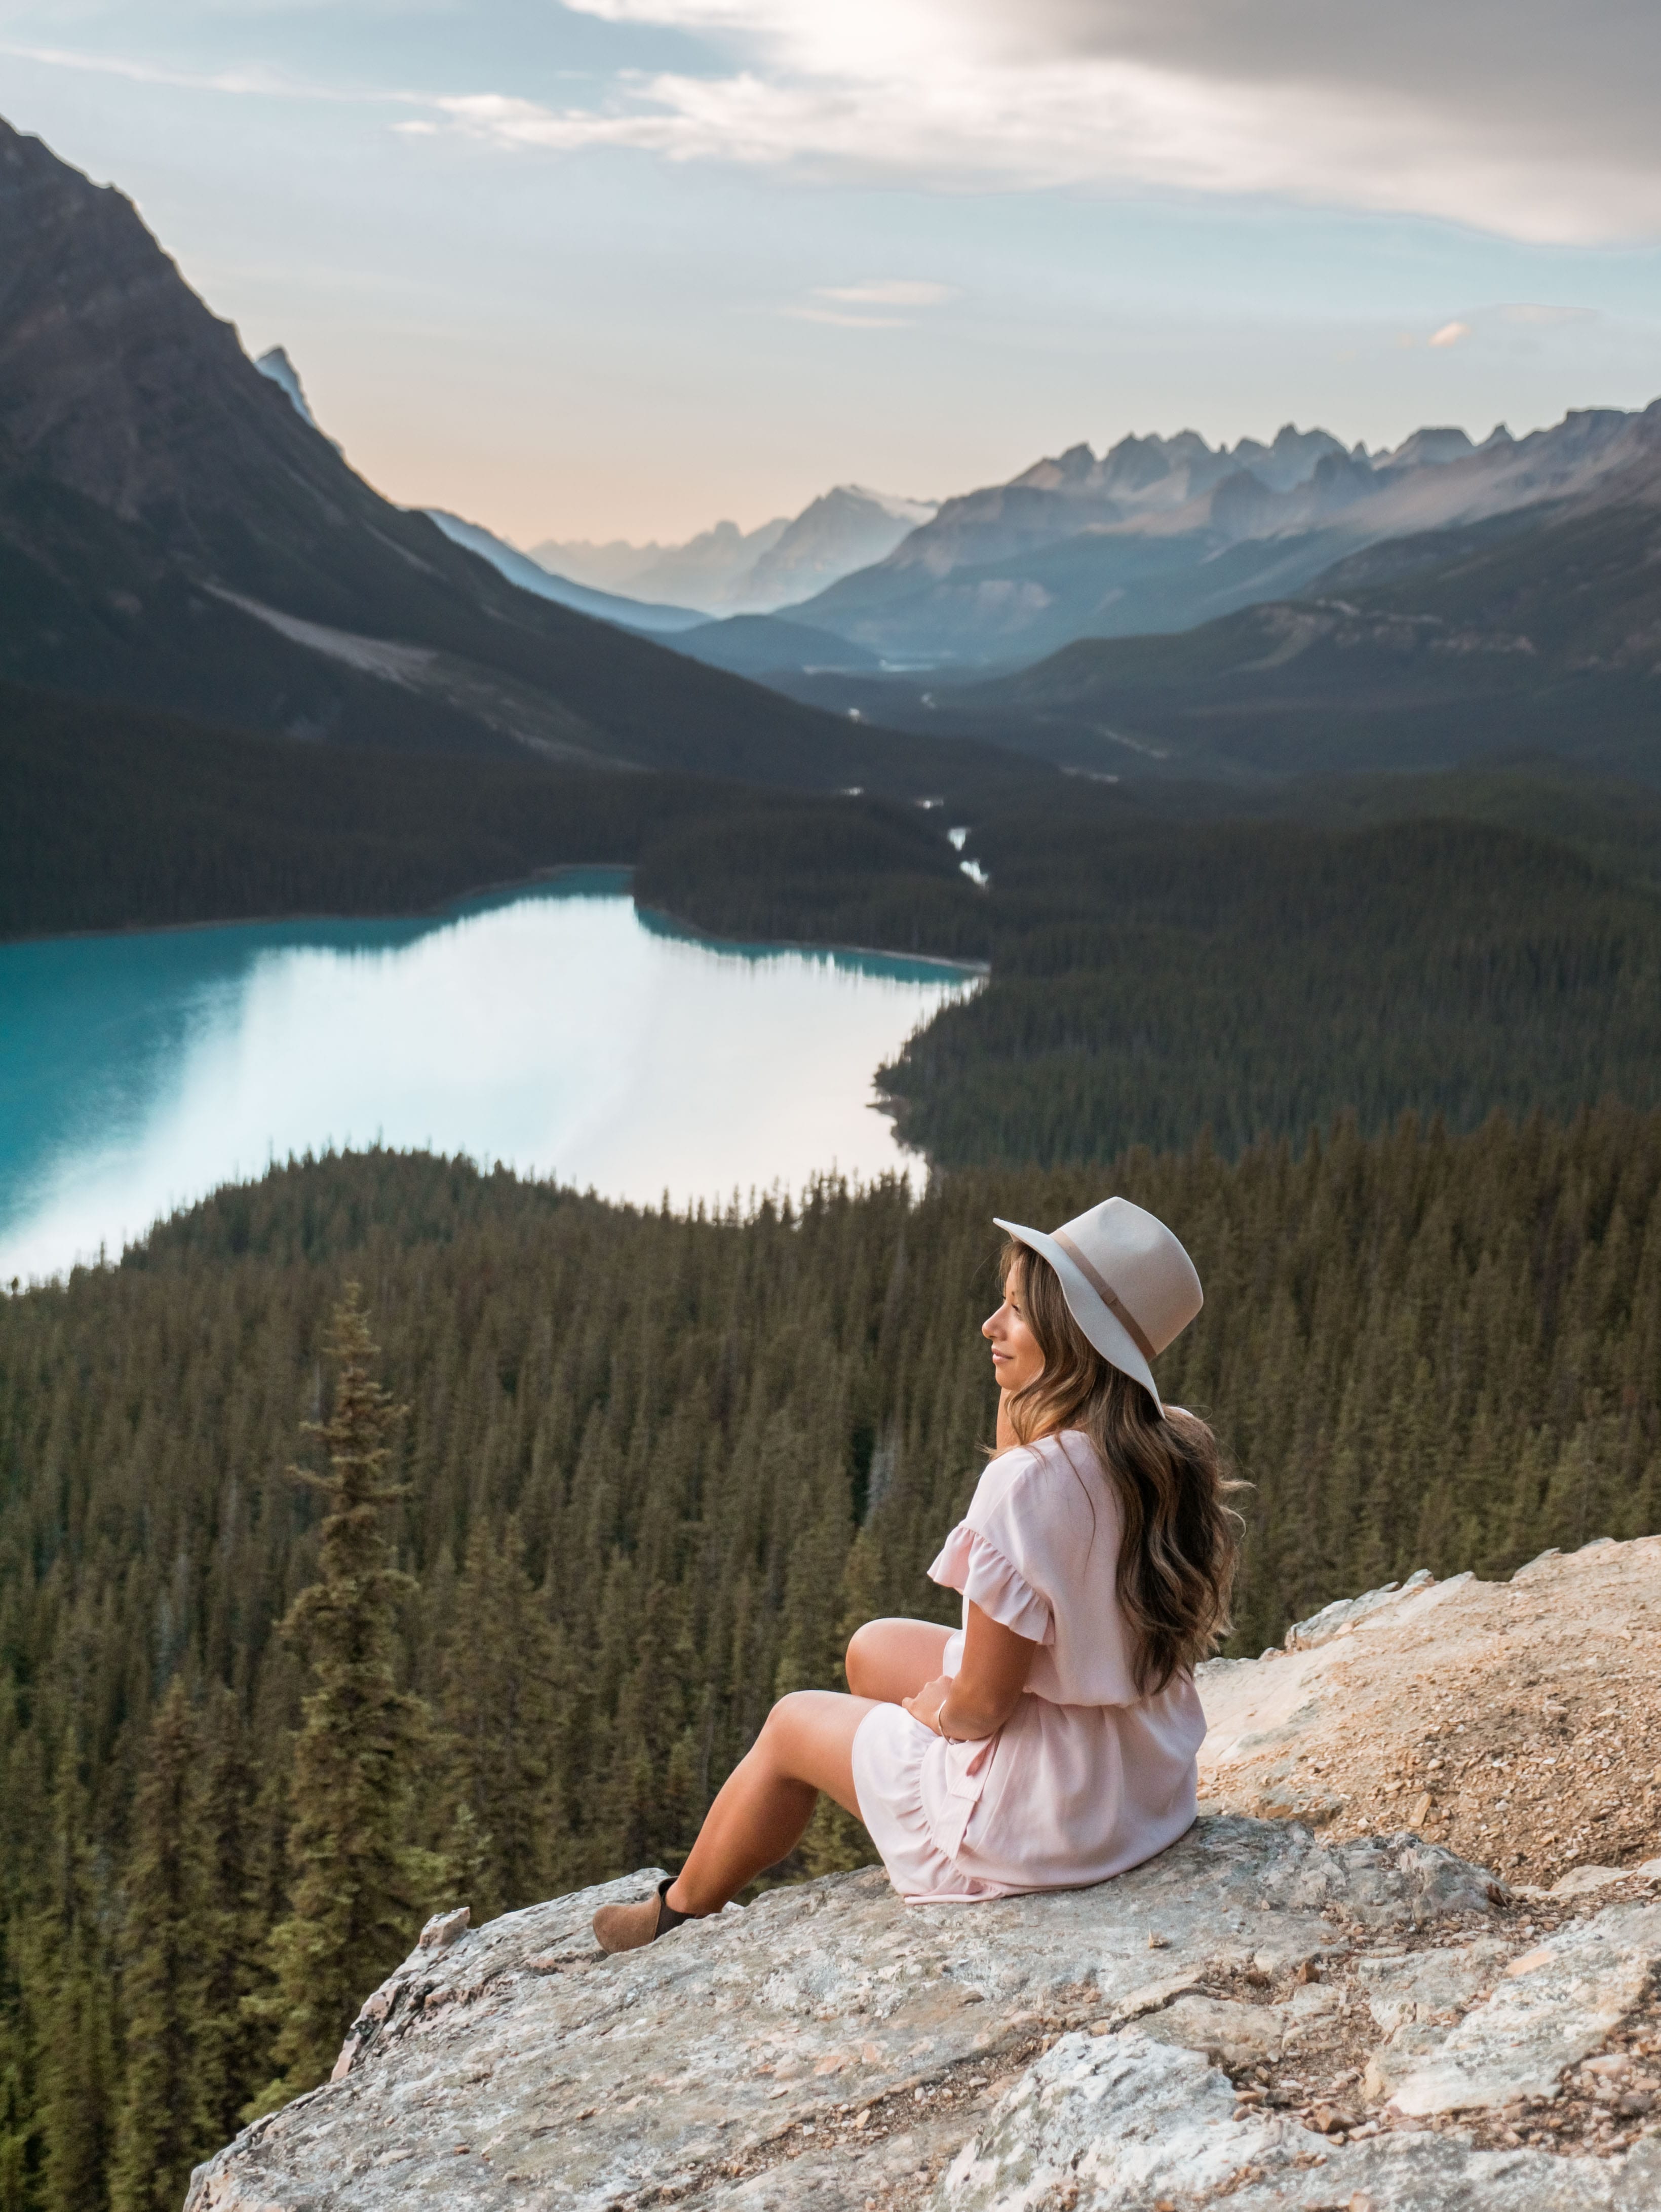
<point>656,1468</point>
<point>1154,976</point>
<point>111,818</point>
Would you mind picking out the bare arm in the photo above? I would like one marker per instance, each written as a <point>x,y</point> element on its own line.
<point>979,1699</point>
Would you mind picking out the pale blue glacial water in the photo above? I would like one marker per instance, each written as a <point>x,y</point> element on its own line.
<point>555,1029</point>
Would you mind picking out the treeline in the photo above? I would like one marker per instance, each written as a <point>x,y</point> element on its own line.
<point>1152,975</point>
<point>653,1469</point>
<point>1249,978</point>
<point>112,817</point>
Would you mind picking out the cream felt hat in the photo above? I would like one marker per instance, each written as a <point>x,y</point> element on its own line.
<point>1128,1282</point>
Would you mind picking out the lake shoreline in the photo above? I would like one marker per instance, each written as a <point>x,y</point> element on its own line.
<point>553,1026</point>
<point>963,965</point>
<point>428,912</point>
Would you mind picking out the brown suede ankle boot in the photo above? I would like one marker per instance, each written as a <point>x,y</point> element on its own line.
<point>629,1927</point>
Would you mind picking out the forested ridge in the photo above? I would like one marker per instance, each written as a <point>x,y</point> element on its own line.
<point>651,1470</point>
<point>114,818</point>
<point>1154,975</point>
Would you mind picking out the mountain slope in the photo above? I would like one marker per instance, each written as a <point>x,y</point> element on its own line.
<point>531,576</point>
<point>729,571</point>
<point>174,534</point>
<point>1163,534</point>
<point>1540,630</point>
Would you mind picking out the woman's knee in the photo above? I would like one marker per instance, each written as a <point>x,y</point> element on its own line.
<point>791,1717</point>
<point>862,1659</point>
<point>893,1659</point>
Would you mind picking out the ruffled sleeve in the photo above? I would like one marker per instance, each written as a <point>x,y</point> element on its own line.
<point>969,1563</point>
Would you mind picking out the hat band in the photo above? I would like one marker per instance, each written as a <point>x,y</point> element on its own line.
<point>1110,1299</point>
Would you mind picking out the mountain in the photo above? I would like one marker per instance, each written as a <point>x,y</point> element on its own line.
<point>845,528</point>
<point>274,362</point>
<point>729,571</point>
<point>702,573</point>
<point>1164,534</point>
<point>531,576</point>
<point>774,650</point>
<point>1539,628</point>
<point>174,534</point>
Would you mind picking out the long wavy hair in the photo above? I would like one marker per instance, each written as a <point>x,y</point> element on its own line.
<point>1181,1539</point>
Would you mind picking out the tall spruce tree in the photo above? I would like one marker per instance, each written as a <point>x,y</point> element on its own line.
<point>499,1701</point>
<point>162,2129</point>
<point>233,2039</point>
<point>76,2000</point>
<point>354,1901</point>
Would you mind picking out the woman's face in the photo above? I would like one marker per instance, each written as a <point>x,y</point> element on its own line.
<point>1016,1358</point>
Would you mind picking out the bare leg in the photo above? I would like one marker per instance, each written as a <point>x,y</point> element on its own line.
<point>806,1745</point>
<point>894,1659</point>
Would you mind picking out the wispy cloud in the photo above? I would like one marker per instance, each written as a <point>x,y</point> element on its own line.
<point>255,82</point>
<point>1451,334</point>
<point>1529,124</point>
<point>1536,122</point>
<point>840,319</point>
<point>888,292</point>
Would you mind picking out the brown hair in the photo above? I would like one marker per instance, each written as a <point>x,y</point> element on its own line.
<point>1181,1540</point>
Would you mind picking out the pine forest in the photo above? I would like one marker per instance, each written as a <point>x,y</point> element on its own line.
<point>387,1533</point>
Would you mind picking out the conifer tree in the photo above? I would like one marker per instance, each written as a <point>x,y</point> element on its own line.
<point>232,2039</point>
<point>498,1702</point>
<point>161,2130</point>
<point>354,1901</point>
<point>77,1989</point>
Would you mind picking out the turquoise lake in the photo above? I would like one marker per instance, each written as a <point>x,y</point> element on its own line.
<point>555,1029</point>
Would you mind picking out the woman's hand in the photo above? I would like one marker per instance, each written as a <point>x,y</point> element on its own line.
<point>925,1705</point>
<point>987,1687</point>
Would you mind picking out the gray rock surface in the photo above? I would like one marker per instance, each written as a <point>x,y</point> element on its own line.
<point>831,2047</point>
<point>1557,2002</point>
<point>1122,2124</point>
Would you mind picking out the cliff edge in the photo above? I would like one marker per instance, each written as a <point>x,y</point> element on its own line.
<point>1271,2015</point>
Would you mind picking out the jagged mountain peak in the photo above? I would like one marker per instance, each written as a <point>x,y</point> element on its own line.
<point>275,363</point>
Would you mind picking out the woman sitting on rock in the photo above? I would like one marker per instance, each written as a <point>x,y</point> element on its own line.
<point>1051,1740</point>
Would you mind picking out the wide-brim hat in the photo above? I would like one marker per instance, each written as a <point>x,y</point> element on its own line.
<point>1127,1283</point>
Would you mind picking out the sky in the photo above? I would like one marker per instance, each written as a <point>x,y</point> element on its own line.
<point>620,268</point>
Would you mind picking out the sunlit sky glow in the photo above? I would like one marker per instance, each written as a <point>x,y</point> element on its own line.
<point>622,268</point>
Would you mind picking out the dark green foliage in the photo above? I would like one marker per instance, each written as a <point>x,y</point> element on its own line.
<point>866,874</point>
<point>357,1895</point>
<point>503,1682</point>
<point>110,817</point>
<point>653,1472</point>
<point>1151,980</point>
<point>161,2128</point>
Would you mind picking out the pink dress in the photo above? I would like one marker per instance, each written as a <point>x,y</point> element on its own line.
<point>1086,1779</point>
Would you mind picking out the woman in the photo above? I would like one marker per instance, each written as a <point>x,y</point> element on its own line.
<point>1051,1740</point>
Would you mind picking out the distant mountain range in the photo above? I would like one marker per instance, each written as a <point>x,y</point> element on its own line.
<point>1165,533</point>
<point>176,533</point>
<point>1526,629</point>
<point>519,568</point>
<point>729,571</point>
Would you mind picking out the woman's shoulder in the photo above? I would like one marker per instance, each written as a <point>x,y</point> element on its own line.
<point>1028,1474</point>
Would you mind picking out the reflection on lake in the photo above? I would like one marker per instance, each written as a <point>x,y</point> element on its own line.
<point>555,1029</point>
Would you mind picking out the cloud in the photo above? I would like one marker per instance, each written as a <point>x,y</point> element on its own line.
<point>888,292</point>
<point>1515,115</point>
<point>1451,334</point>
<point>257,81</point>
<point>842,321</point>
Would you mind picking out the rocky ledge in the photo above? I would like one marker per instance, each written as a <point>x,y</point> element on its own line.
<point>1258,2017</point>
